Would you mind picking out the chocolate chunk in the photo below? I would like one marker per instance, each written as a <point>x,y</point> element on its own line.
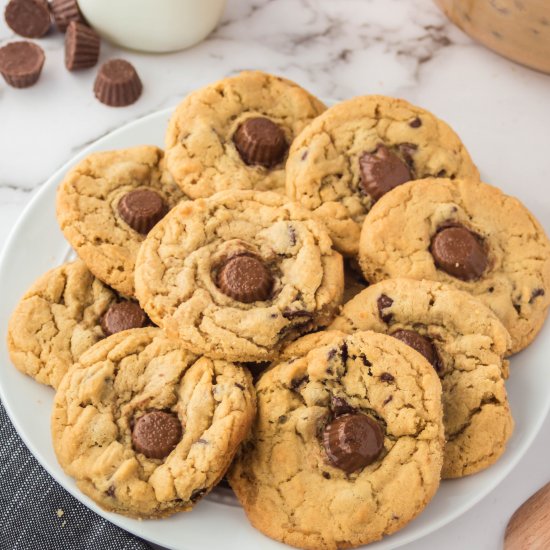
<point>381,171</point>
<point>386,377</point>
<point>339,406</point>
<point>353,441</point>
<point>21,63</point>
<point>117,83</point>
<point>142,209</point>
<point>419,343</point>
<point>156,434</point>
<point>28,18</point>
<point>245,278</point>
<point>384,302</point>
<point>535,294</point>
<point>81,46</point>
<point>260,141</point>
<point>288,314</point>
<point>459,252</point>
<point>196,495</point>
<point>65,11</point>
<point>415,123</point>
<point>123,316</point>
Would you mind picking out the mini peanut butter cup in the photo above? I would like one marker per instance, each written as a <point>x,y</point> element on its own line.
<point>28,18</point>
<point>156,434</point>
<point>81,46</point>
<point>123,316</point>
<point>459,252</point>
<point>381,171</point>
<point>21,63</point>
<point>65,11</point>
<point>117,83</point>
<point>260,141</point>
<point>353,441</point>
<point>245,278</point>
<point>419,343</point>
<point>142,209</point>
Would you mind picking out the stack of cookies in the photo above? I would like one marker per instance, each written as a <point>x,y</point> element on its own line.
<point>317,303</point>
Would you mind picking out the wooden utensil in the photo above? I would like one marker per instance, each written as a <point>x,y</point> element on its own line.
<point>529,527</point>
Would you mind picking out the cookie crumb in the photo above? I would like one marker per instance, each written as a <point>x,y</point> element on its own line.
<point>59,512</point>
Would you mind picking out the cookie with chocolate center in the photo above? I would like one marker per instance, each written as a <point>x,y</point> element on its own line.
<point>359,150</point>
<point>108,203</point>
<point>239,274</point>
<point>350,420</point>
<point>467,234</point>
<point>147,428</point>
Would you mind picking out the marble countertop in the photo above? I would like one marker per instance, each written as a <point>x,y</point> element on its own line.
<point>337,50</point>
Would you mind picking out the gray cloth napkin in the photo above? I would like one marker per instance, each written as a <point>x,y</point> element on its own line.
<point>38,514</point>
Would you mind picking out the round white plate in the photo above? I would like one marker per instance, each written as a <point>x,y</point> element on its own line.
<point>36,245</point>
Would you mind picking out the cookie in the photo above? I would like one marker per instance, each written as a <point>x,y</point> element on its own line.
<point>239,274</point>
<point>63,314</point>
<point>347,446</point>
<point>235,134</point>
<point>467,234</point>
<point>465,343</point>
<point>147,428</point>
<point>356,151</point>
<point>106,205</point>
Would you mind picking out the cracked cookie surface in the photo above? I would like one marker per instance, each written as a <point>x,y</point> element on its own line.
<point>114,386</point>
<point>179,266</point>
<point>57,319</point>
<point>282,475</point>
<point>470,344</point>
<point>398,233</point>
<point>88,209</point>
<point>324,173</point>
<point>200,151</point>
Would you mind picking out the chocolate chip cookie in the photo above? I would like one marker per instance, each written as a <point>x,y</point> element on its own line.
<point>347,446</point>
<point>465,343</point>
<point>106,205</point>
<point>147,428</point>
<point>235,134</point>
<point>64,313</point>
<point>239,274</point>
<point>358,150</point>
<point>470,235</point>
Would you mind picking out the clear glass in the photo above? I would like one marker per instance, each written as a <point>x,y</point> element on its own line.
<point>517,29</point>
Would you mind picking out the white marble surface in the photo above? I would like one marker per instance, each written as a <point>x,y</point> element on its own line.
<point>337,49</point>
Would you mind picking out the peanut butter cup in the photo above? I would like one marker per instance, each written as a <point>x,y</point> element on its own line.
<point>419,343</point>
<point>81,46</point>
<point>245,278</point>
<point>156,434</point>
<point>123,316</point>
<point>142,209</point>
<point>65,11</point>
<point>117,83</point>
<point>21,63</point>
<point>28,18</point>
<point>260,141</point>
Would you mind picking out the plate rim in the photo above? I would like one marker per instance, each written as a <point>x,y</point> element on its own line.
<point>117,519</point>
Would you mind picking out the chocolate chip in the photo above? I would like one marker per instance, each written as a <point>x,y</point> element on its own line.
<point>282,419</point>
<point>419,343</point>
<point>245,278</point>
<point>535,294</point>
<point>142,209</point>
<point>415,123</point>
<point>384,302</point>
<point>459,252</point>
<point>291,235</point>
<point>260,141</point>
<point>388,399</point>
<point>353,441</point>
<point>326,475</point>
<point>344,354</point>
<point>381,171</point>
<point>123,316</point>
<point>297,382</point>
<point>65,11</point>
<point>339,406</point>
<point>21,63</point>
<point>156,434</point>
<point>110,492</point>
<point>240,386</point>
<point>287,314</point>
<point>196,495</point>
<point>81,46</point>
<point>386,377</point>
<point>117,83</point>
<point>28,18</point>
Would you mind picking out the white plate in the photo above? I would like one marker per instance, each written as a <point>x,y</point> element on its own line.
<point>36,244</point>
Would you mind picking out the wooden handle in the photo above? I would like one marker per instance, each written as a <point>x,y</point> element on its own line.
<point>529,527</point>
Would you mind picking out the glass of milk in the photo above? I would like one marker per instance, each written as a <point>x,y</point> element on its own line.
<point>153,25</point>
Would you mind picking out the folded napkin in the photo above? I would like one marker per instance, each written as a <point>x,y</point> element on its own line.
<point>38,514</point>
